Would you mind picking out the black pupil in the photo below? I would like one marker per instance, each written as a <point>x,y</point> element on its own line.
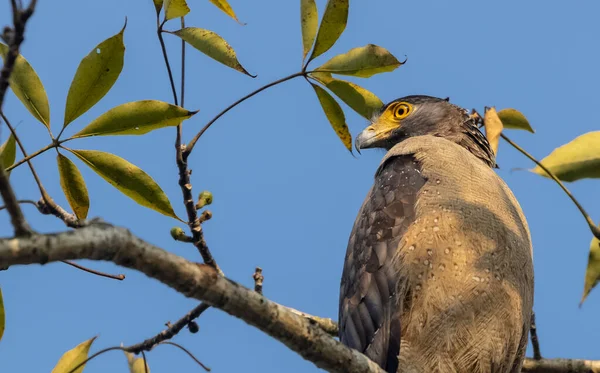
<point>401,111</point>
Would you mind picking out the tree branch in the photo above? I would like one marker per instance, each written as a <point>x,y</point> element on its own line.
<point>535,342</point>
<point>105,242</point>
<point>15,37</point>
<point>101,241</point>
<point>560,366</point>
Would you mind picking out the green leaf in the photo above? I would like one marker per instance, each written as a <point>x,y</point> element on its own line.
<point>309,21</point>
<point>2,316</point>
<point>95,76</point>
<point>136,118</point>
<point>175,8</point>
<point>28,88</point>
<point>332,26</point>
<point>592,273</point>
<point>74,357</point>
<point>211,45</point>
<point>364,102</point>
<point>514,119</point>
<point>225,7</point>
<point>362,62</point>
<point>128,179</point>
<point>493,128</point>
<point>335,115</point>
<point>136,365</point>
<point>158,5</point>
<point>578,159</point>
<point>73,186</point>
<point>8,153</point>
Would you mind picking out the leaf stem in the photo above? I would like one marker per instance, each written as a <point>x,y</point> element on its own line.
<point>49,204</point>
<point>178,150</point>
<point>33,172</point>
<point>187,352</point>
<point>192,143</point>
<point>31,156</point>
<point>22,201</point>
<point>166,58</point>
<point>595,230</point>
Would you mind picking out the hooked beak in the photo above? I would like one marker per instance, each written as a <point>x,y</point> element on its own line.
<point>374,136</point>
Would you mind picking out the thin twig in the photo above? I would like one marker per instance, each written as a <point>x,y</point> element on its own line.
<point>22,147</point>
<point>31,156</point>
<point>16,37</point>
<point>192,143</point>
<point>170,332</point>
<point>94,356</point>
<point>120,277</point>
<point>595,230</point>
<point>182,65</point>
<point>166,58</point>
<point>194,222</point>
<point>53,208</point>
<point>258,280</point>
<point>187,352</point>
<point>178,149</point>
<point>46,203</point>
<point>22,201</point>
<point>535,342</point>
<point>145,362</point>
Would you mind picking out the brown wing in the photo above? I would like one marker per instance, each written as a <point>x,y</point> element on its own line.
<point>369,309</point>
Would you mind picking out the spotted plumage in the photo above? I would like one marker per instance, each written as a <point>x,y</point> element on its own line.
<point>438,273</point>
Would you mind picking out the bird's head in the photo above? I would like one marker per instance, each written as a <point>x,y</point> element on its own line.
<point>412,116</point>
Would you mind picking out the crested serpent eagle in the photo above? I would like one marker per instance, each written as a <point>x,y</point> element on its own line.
<point>438,274</point>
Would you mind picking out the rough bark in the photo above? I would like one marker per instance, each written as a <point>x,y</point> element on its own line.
<point>105,242</point>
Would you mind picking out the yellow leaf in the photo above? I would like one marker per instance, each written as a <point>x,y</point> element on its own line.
<point>578,159</point>
<point>2,316</point>
<point>364,102</point>
<point>514,119</point>
<point>136,118</point>
<point>175,8</point>
<point>158,5</point>
<point>8,153</point>
<point>493,128</point>
<point>28,88</point>
<point>309,21</point>
<point>335,115</point>
<point>74,357</point>
<point>95,76</point>
<point>225,7</point>
<point>362,62</point>
<point>128,179</point>
<point>592,274</point>
<point>332,26</point>
<point>136,365</point>
<point>73,186</point>
<point>211,45</point>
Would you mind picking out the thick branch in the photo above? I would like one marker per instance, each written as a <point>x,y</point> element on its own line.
<point>560,366</point>
<point>199,281</point>
<point>306,337</point>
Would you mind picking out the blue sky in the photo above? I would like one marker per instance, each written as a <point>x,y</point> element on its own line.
<point>286,192</point>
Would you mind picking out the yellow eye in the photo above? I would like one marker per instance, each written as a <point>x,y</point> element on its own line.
<point>401,110</point>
